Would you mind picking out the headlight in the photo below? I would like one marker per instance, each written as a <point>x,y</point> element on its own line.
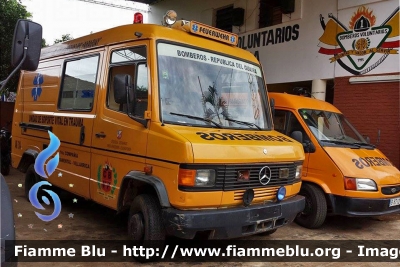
<point>201,178</point>
<point>299,170</point>
<point>360,184</point>
<point>205,178</point>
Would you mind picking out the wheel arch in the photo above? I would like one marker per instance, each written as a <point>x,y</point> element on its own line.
<point>323,188</point>
<point>28,158</point>
<point>136,183</point>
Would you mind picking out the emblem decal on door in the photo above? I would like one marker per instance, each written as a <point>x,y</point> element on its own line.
<point>107,179</point>
<point>37,90</point>
<point>119,134</point>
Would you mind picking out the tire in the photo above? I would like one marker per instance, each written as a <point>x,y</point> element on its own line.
<point>267,233</point>
<point>145,210</point>
<point>145,224</point>
<point>314,213</point>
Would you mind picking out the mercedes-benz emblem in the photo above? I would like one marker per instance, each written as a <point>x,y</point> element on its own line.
<point>265,175</point>
<point>265,151</point>
<point>394,190</point>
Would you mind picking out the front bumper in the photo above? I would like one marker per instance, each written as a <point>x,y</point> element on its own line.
<point>361,207</point>
<point>232,222</point>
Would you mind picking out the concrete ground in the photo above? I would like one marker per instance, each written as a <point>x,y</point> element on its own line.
<point>91,221</point>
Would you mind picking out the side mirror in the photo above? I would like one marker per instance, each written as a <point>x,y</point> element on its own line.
<point>272,104</point>
<point>298,136</point>
<point>27,43</point>
<point>25,51</point>
<point>309,147</point>
<point>124,94</point>
<point>123,89</point>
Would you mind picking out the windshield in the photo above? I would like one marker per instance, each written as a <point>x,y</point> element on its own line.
<point>210,90</point>
<point>328,126</point>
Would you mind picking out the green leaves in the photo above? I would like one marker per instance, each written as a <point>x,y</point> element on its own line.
<point>64,38</point>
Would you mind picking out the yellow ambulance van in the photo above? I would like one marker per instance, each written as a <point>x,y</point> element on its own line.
<point>343,174</point>
<point>170,123</point>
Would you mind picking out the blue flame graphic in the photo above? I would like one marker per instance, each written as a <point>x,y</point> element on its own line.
<point>39,169</point>
<point>45,154</point>
<point>37,90</point>
<point>35,202</point>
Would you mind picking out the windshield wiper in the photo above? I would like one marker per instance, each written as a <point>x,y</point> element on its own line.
<point>364,144</point>
<point>196,118</point>
<point>244,123</point>
<point>341,143</point>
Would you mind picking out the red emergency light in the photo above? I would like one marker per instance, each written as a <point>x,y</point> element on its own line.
<point>138,17</point>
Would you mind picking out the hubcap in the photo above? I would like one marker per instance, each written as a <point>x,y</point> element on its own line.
<point>136,226</point>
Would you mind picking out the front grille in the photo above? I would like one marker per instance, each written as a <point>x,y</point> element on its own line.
<point>258,193</point>
<point>390,190</point>
<point>231,173</point>
<point>227,176</point>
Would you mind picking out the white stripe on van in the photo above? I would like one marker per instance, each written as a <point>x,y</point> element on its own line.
<point>75,115</point>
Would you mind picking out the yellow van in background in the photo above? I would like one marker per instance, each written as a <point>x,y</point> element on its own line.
<point>170,123</point>
<point>342,173</point>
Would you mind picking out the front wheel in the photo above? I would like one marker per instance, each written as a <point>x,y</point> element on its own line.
<point>314,213</point>
<point>145,223</point>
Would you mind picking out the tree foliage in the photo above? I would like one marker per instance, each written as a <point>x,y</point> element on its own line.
<point>64,38</point>
<point>10,12</point>
<point>44,44</point>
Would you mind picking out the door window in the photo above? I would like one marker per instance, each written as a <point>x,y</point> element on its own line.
<point>132,62</point>
<point>286,122</point>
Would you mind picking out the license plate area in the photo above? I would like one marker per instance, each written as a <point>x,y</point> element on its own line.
<point>394,202</point>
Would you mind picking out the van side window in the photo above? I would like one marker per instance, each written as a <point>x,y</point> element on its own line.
<point>130,61</point>
<point>79,84</point>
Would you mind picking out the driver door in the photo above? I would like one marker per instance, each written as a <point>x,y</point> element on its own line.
<point>119,141</point>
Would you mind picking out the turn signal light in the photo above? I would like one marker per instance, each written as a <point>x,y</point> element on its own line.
<point>350,183</point>
<point>186,177</point>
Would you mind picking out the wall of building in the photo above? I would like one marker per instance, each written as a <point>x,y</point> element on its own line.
<point>300,49</point>
<point>371,107</point>
<point>322,40</point>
